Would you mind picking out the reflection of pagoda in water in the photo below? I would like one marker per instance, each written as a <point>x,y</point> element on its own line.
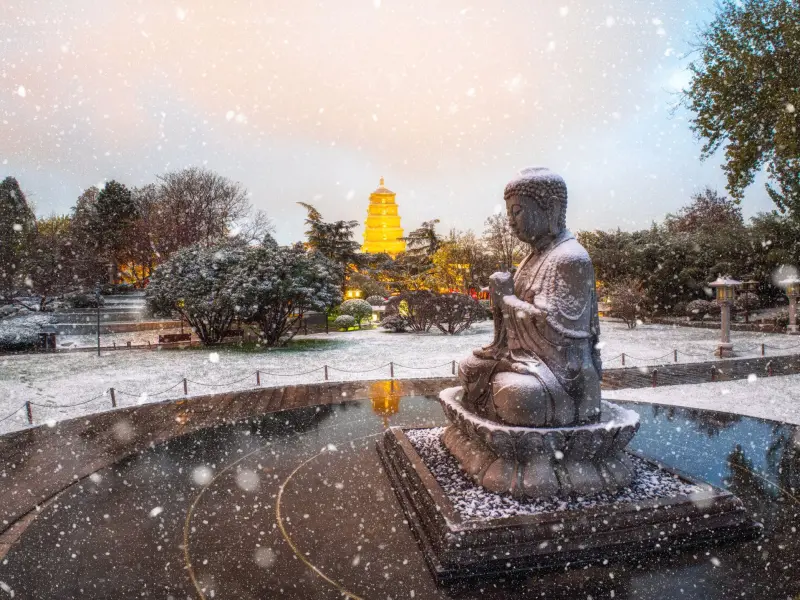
<point>383,232</point>
<point>385,397</point>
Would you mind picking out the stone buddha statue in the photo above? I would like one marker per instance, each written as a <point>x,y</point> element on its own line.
<point>543,368</point>
<point>527,418</point>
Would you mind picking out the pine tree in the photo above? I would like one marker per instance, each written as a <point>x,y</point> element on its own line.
<point>334,241</point>
<point>17,229</point>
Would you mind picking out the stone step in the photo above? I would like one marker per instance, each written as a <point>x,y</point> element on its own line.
<point>91,316</point>
<point>114,327</point>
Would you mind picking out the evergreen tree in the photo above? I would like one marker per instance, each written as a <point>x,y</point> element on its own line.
<point>17,229</point>
<point>50,266</point>
<point>334,241</point>
<point>745,93</point>
<point>423,242</point>
<point>115,213</point>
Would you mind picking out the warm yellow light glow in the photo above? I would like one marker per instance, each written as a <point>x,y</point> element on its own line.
<point>383,232</point>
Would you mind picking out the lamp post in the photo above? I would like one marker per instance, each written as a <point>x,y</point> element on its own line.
<point>726,293</point>
<point>97,301</point>
<point>792,286</point>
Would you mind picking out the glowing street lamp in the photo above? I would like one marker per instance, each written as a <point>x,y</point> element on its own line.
<point>792,286</point>
<point>726,294</point>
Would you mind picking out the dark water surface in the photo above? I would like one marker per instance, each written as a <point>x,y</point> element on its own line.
<point>295,505</point>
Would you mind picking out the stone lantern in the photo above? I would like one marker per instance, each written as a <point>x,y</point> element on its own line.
<point>792,286</point>
<point>726,294</point>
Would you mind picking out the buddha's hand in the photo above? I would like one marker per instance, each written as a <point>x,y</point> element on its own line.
<point>501,284</point>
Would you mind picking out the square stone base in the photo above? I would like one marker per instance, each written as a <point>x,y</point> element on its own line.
<point>457,549</point>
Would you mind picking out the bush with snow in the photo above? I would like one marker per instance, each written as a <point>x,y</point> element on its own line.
<point>455,313</point>
<point>197,283</point>
<point>21,332</point>
<point>697,309</point>
<point>420,310</point>
<point>376,300</point>
<point>83,300</point>
<point>358,309</point>
<point>277,285</point>
<point>344,322</point>
<point>395,323</point>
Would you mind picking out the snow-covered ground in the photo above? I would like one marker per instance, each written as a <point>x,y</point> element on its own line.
<point>776,398</point>
<point>53,381</point>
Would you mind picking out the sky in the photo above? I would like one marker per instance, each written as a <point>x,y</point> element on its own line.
<point>314,101</point>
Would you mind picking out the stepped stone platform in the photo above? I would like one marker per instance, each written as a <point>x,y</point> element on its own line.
<point>456,547</point>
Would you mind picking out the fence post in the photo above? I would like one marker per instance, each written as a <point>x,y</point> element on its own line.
<point>148,344</point>
<point>129,344</point>
<point>391,370</point>
<point>713,373</point>
<point>623,359</point>
<point>113,398</point>
<point>114,344</point>
<point>769,369</point>
<point>654,377</point>
<point>675,354</point>
<point>185,387</point>
<point>29,410</point>
<point>454,368</point>
<point>258,378</point>
<point>762,349</point>
<point>326,372</point>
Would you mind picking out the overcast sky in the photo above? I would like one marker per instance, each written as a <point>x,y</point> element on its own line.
<point>314,101</point>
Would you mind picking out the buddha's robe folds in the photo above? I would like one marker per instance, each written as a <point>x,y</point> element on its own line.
<point>543,368</point>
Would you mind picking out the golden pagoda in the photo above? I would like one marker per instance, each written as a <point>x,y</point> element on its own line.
<point>383,232</point>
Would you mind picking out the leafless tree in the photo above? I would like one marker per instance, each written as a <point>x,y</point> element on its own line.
<point>501,243</point>
<point>628,300</point>
<point>198,206</point>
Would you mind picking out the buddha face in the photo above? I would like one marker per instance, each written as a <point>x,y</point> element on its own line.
<point>529,221</point>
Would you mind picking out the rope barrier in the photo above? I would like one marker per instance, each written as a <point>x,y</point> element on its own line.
<point>447,364</point>
<point>781,347</point>
<point>362,371</point>
<point>292,374</point>
<point>68,405</point>
<point>248,376</point>
<point>13,413</point>
<point>148,394</point>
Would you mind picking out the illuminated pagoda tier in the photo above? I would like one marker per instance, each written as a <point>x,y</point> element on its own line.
<point>383,232</point>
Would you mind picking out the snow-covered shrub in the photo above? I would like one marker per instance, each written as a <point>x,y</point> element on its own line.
<point>487,308</point>
<point>782,317</point>
<point>358,309</point>
<point>628,300</point>
<point>21,332</point>
<point>418,309</point>
<point>395,323</point>
<point>197,282</point>
<point>746,302</point>
<point>376,300</point>
<point>714,308</point>
<point>454,313</point>
<point>697,309</point>
<point>344,322</point>
<point>679,309</point>
<point>275,286</point>
<point>83,300</point>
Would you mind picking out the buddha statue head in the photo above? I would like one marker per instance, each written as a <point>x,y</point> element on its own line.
<point>536,202</point>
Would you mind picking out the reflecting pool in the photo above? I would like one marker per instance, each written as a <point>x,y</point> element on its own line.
<point>295,504</point>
